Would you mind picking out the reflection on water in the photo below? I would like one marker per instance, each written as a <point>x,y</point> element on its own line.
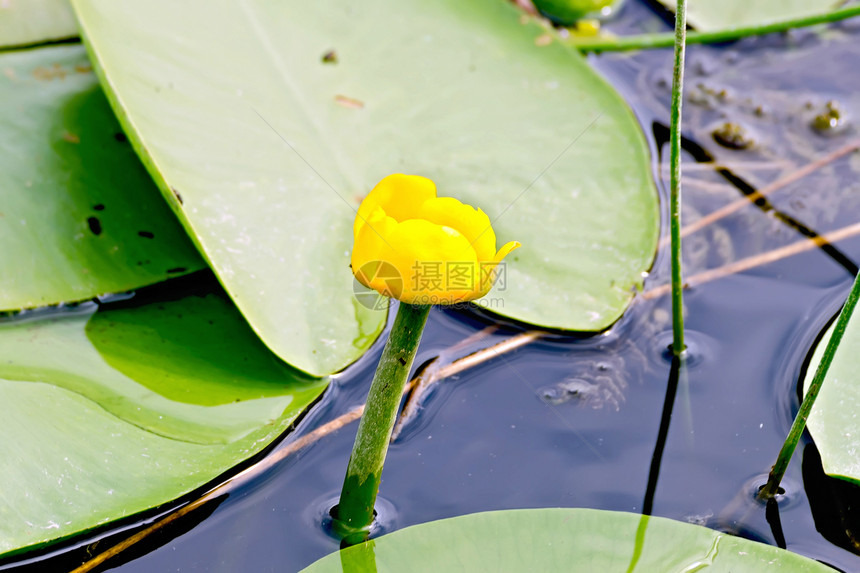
<point>833,503</point>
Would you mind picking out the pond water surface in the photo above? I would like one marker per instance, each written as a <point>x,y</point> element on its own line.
<point>575,421</point>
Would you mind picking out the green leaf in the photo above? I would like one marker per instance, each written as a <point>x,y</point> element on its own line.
<point>79,216</point>
<point>567,12</point>
<point>712,15</point>
<point>25,22</point>
<point>833,422</point>
<point>561,540</point>
<point>111,412</point>
<point>272,146</point>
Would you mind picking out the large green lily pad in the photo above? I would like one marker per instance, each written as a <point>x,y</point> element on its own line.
<point>562,540</point>
<point>109,413</point>
<point>711,15</point>
<point>24,22</point>
<point>79,215</point>
<point>834,422</point>
<point>265,122</point>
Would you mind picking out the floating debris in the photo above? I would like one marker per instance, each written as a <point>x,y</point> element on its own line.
<point>831,120</point>
<point>733,135</point>
<point>600,384</point>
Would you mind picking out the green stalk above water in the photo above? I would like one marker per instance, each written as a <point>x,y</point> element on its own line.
<point>771,488</point>
<point>678,345</point>
<point>666,40</point>
<point>354,513</point>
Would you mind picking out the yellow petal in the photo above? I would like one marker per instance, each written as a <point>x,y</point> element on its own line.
<point>470,222</point>
<point>436,262</point>
<point>490,271</point>
<point>421,249</point>
<point>506,250</point>
<point>369,246</point>
<point>399,195</point>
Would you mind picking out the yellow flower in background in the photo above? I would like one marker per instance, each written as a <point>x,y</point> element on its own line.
<point>422,249</point>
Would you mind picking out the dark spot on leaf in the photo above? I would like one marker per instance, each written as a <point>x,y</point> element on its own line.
<point>95,225</point>
<point>176,270</point>
<point>402,361</point>
<point>349,102</point>
<point>120,136</point>
<point>54,72</point>
<point>330,57</point>
<point>146,234</point>
<point>99,207</point>
<point>176,194</point>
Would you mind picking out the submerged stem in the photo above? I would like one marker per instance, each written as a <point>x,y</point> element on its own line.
<point>665,40</point>
<point>771,488</point>
<point>354,513</point>
<point>675,179</point>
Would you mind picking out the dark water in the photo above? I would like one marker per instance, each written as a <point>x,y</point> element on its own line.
<point>499,436</point>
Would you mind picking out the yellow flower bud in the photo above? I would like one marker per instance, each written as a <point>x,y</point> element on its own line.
<point>422,249</point>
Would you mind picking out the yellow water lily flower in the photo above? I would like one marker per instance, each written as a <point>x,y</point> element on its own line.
<point>422,249</point>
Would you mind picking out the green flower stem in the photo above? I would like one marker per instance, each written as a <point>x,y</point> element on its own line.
<point>675,179</point>
<point>771,488</point>
<point>355,510</point>
<point>666,40</point>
